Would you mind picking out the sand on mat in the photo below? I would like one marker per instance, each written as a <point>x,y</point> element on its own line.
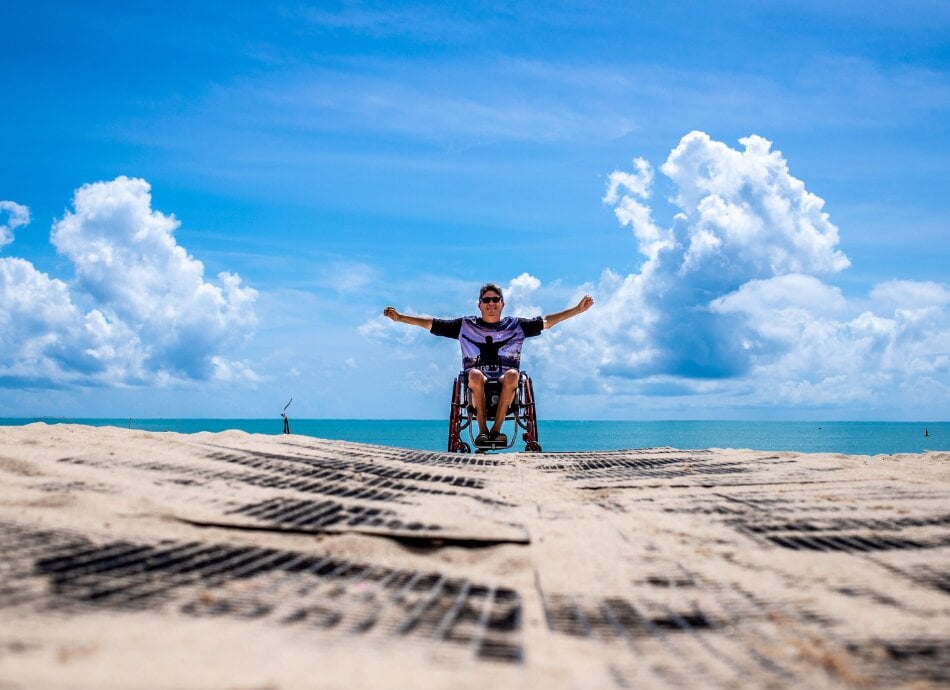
<point>135,559</point>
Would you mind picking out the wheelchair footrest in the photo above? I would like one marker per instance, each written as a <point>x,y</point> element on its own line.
<point>488,441</point>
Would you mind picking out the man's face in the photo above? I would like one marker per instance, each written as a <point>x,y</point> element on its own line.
<point>490,305</point>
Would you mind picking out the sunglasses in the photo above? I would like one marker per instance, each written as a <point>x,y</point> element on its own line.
<point>490,300</point>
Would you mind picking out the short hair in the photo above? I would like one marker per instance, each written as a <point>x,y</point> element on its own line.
<point>490,286</point>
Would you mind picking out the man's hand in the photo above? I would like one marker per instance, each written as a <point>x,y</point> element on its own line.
<point>391,313</point>
<point>586,303</point>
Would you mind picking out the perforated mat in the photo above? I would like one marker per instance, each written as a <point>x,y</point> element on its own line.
<point>141,560</point>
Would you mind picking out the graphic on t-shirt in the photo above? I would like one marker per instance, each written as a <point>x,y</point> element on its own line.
<point>488,351</point>
<point>484,344</point>
<point>491,345</point>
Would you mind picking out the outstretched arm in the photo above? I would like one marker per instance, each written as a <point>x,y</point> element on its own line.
<point>552,320</point>
<point>420,321</point>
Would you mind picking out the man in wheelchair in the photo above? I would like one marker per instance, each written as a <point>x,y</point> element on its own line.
<point>491,350</point>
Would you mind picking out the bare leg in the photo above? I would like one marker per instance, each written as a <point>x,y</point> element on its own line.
<point>476,384</point>
<point>509,383</point>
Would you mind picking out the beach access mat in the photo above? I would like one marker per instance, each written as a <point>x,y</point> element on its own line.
<point>158,560</point>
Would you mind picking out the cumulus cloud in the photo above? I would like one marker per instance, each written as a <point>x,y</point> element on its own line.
<point>734,290</point>
<point>745,215</point>
<point>519,295</point>
<point>637,183</point>
<point>741,217</point>
<point>827,353</point>
<point>12,216</point>
<point>139,309</point>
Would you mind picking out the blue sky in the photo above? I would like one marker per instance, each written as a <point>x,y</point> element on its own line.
<point>204,209</point>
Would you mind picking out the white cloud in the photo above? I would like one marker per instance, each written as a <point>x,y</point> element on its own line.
<point>37,319</point>
<point>386,330</point>
<point>347,276</point>
<point>762,298</point>
<point>139,310</point>
<point>16,215</point>
<point>744,215</point>
<point>730,299</point>
<point>225,370</point>
<point>518,296</point>
<point>906,294</point>
<point>637,183</point>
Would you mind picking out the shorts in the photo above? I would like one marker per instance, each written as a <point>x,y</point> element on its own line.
<point>492,373</point>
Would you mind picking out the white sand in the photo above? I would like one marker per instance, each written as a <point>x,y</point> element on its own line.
<point>153,560</point>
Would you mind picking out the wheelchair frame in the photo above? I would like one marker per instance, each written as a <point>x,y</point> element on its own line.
<point>522,412</point>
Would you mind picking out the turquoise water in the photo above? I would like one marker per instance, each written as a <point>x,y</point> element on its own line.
<point>857,438</point>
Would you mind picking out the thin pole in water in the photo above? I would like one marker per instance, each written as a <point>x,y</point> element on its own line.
<point>283,413</point>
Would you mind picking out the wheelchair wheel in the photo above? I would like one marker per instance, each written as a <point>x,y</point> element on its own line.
<point>532,442</point>
<point>455,442</point>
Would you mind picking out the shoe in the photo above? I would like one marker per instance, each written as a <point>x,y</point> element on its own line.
<point>498,438</point>
<point>482,439</point>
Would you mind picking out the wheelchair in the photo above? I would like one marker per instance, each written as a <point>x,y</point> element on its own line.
<point>522,412</point>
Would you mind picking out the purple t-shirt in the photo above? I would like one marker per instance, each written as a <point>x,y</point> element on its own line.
<point>489,344</point>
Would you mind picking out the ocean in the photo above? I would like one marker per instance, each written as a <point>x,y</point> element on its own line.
<point>852,438</point>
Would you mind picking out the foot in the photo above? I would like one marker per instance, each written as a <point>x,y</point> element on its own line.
<point>498,438</point>
<point>482,439</point>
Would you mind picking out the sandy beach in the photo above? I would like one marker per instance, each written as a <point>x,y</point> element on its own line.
<point>134,559</point>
